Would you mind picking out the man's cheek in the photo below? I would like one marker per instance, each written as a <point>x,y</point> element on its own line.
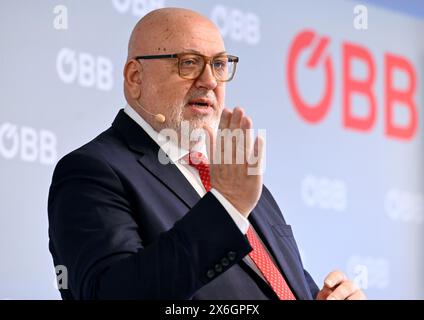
<point>220,94</point>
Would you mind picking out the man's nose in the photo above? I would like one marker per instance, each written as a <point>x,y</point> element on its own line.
<point>206,79</point>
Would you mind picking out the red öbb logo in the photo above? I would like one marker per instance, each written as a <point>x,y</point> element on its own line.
<point>393,96</point>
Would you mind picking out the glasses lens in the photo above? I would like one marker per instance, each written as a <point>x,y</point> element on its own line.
<point>224,68</point>
<point>190,66</point>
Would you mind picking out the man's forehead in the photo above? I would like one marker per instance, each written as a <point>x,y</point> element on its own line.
<point>200,44</point>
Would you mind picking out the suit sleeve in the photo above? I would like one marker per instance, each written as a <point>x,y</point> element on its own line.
<point>95,235</point>
<point>312,285</point>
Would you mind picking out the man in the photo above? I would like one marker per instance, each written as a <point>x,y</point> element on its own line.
<point>126,225</point>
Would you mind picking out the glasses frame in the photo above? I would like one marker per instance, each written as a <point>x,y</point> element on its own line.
<point>207,60</point>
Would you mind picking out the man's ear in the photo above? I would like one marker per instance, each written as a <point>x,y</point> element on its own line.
<point>132,78</point>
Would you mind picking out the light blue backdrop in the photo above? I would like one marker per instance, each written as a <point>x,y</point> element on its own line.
<point>355,199</point>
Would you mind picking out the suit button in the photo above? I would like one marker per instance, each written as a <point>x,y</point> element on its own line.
<point>231,255</point>
<point>225,262</point>
<point>218,268</point>
<point>210,274</point>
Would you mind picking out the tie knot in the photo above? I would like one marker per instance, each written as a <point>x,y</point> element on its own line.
<point>197,160</point>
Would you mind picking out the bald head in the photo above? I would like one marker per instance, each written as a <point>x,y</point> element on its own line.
<point>165,30</point>
<point>155,86</point>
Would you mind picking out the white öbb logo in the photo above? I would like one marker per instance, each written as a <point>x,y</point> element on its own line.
<point>85,69</point>
<point>137,8</point>
<point>237,25</point>
<point>27,144</point>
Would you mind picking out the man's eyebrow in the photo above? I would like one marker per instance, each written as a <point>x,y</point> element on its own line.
<point>197,52</point>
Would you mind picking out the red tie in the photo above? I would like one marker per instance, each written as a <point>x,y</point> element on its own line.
<point>259,255</point>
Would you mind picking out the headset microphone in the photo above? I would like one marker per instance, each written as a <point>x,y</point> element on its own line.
<point>159,117</point>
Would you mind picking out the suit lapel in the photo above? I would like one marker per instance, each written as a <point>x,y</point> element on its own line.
<point>141,143</point>
<point>171,178</point>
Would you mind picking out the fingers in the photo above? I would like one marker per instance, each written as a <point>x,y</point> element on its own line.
<point>338,287</point>
<point>344,291</point>
<point>225,119</point>
<point>236,138</point>
<point>257,156</point>
<point>210,143</point>
<point>323,293</point>
<point>334,278</point>
<point>259,147</point>
<point>246,125</point>
<point>358,295</point>
<point>236,118</point>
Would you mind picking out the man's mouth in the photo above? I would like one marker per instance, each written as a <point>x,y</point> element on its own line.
<point>200,103</point>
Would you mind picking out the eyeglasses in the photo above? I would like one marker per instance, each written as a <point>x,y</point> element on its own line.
<point>192,65</point>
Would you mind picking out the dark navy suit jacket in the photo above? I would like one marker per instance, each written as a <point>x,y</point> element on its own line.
<point>127,227</point>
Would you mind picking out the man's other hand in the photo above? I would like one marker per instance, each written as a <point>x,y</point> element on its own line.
<point>338,287</point>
